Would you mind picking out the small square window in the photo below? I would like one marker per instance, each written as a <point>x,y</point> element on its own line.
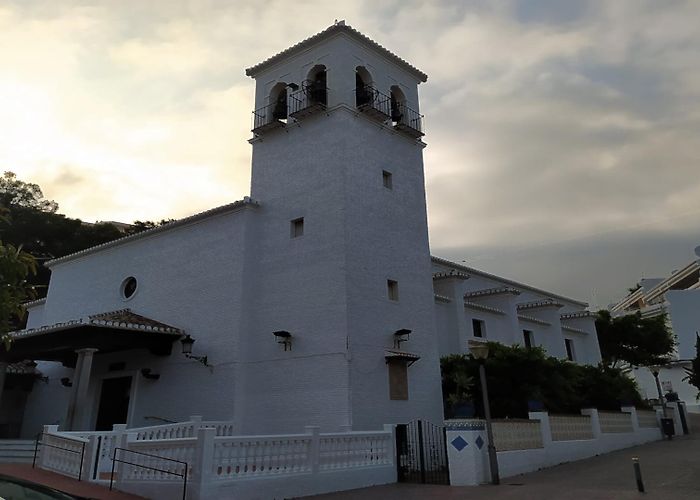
<point>398,380</point>
<point>570,355</point>
<point>386,179</point>
<point>297,227</point>
<point>527,338</point>
<point>392,289</point>
<point>479,328</point>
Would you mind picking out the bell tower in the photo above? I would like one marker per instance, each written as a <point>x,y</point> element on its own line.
<point>342,262</point>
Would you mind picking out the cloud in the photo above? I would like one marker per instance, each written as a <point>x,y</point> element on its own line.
<point>548,123</point>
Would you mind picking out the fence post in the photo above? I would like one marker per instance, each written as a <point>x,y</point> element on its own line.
<point>633,417</point>
<point>196,424</point>
<point>44,451</point>
<point>314,457</point>
<point>121,440</point>
<point>545,426</point>
<point>203,465</point>
<point>595,423</point>
<point>90,458</point>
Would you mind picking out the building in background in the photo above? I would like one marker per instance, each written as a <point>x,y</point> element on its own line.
<point>678,296</point>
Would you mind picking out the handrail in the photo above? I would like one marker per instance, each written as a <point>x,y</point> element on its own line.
<point>369,98</point>
<point>183,475</point>
<point>39,442</point>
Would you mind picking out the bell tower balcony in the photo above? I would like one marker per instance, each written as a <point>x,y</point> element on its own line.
<point>269,118</point>
<point>406,120</point>
<point>310,100</point>
<point>373,103</point>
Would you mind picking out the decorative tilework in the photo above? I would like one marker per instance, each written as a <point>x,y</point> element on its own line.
<point>459,443</point>
<point>479,442</point>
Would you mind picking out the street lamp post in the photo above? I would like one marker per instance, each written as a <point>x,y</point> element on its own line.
<point>480,351</point>
<point>655,371</point>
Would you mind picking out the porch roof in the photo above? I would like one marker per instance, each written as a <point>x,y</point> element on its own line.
<point>108,332</point>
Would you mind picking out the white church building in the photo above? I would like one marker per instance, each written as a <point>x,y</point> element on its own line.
<point>315,301</point>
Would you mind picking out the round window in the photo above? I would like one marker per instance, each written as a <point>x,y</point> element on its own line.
<point>129,286</point>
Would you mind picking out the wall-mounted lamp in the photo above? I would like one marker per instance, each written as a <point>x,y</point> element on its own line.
<point>187,343</point>
<point>285,338</point>
<point>148,373</point>
<point>401,336</point>
<point>65,382</point>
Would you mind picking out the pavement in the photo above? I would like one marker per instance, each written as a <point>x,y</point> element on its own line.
<point>670,471</point>
<point>64,483</point>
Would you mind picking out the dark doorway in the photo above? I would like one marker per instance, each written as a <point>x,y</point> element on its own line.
<point>114,403</point>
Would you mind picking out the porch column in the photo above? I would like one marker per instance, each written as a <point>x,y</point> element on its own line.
<point>3,371</point>
<point>77,406</point>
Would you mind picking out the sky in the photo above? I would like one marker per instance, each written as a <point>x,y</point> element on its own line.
<point>562,135</point>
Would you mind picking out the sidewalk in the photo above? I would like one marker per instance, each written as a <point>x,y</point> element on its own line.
<point>670,469</point>
<point>63,483</point>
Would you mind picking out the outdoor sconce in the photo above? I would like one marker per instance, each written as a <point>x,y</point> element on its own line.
<point>187,343</point>
<point>65,382</point>
<point>401,336</point>
<point>285,338</point>
<point>147,373</point>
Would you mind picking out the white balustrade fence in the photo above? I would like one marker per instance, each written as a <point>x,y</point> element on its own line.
<point>615,422</point>
<point>516,434</point>
<point>570,427</point>
<point>647,418</point>
<point>61,453</point>
<point>215,463</point>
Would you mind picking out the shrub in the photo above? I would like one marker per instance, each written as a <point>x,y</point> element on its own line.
<point>517,376</point>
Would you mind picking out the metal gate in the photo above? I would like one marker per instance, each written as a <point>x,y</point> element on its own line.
<point>421,453</point>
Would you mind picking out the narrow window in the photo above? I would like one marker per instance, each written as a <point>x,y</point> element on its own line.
<point>479,328</point>
<point>527,337</point>
<point>297,227</point>
<point>392,289</point>
<point>398,380</point>
<point>386,179</point>
<point>569,349</point>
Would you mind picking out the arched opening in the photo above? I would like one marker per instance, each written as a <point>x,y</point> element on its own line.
<point>316,85</point>
<point>398,104</point>
<point>278,101</point>
<point>364,92</point>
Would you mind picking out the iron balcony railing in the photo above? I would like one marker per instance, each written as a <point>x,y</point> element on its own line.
<point>268,117</point>
<point>407,120</point>
<point>373,102</point>
<point>310,99</point>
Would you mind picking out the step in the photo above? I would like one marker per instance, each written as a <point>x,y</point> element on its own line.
<point>16,450</point>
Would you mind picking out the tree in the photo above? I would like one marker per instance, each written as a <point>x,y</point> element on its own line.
<point>693,373</point>
<point>517,375</point>
<point>633,339</point>
<point>14,192</point>
<point>15,266</point>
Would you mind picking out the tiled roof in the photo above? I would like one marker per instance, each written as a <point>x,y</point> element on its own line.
<point>122,319</point>
<point>572,329</point>
<point>577,314</point>
<point>482,307</point>
<point>451,274</point>
<point>442,298</point>
<point>535,304</point>
<point>334,29</point>
<point>36,302</point>
<point>22,368</point>
<point>532,319</point>
<point>521,286</point>
<point>484,292</point>
<point>247,201</point>
<point>394,354</point>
